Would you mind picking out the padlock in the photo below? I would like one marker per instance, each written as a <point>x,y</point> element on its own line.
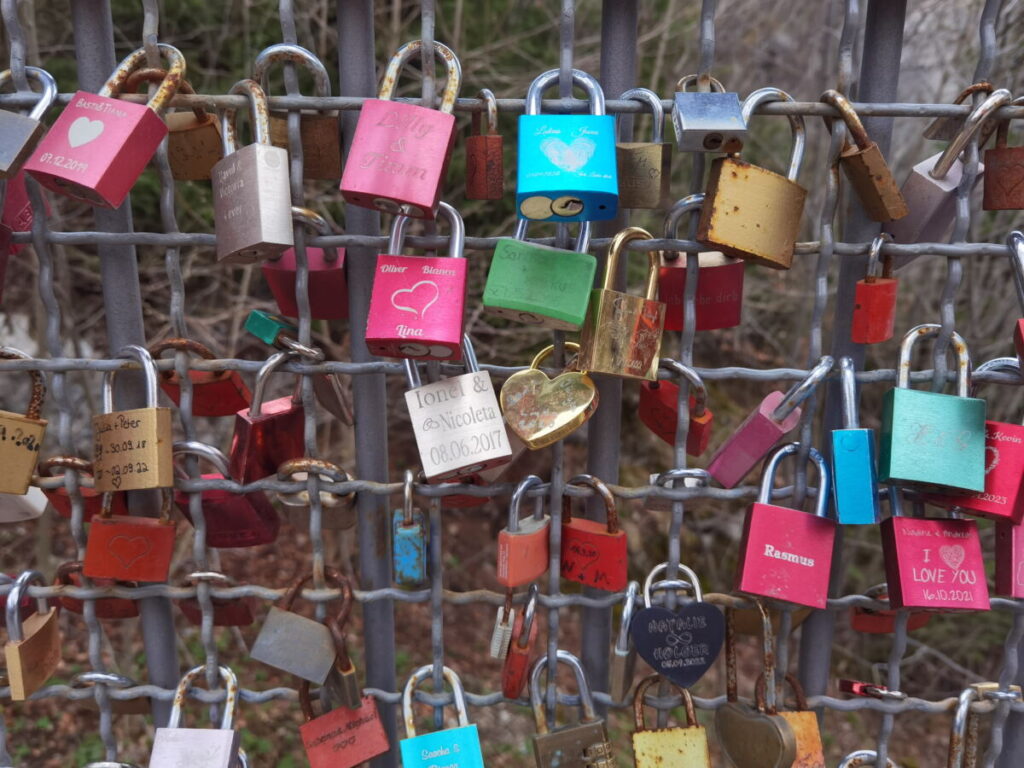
<point>1015,247</point>
<point>786,554</point>
<point>132,448</point>
<point>130,547</point>
<point>874,298</point>
<point>457,423</point>
<point>266,434</point>
<point>517,660</point>
<point>542,411</point>
<point>252,203</point>
<point>523,548</point>
<point>883,621</point>
<point>594,553</point>
<point>622,664</point>
<point>803,721</point>
<point>484,478</point>
<point>485,159</point>
<point>567,167</point>
<point>691,478</point>
<point>865,165</point>
<point>854,469</point>
<point>21,132</point>
<point>175,746</point>
<point>946,128</point>
<point>644,168</point>
<point>92,500</point>
<point>871,690</point>
<point>864,757</point>
<point>455,747</point>
<point>777,415</point>
<point>417,305</point>
<point>137,705</point>
<point>539,285</point>
<point>708,121</point>
<point>227,612</point>
<point>752,213</point>
<point>337,512</point>
<point>409,539</point>
<point>100,144</point>
<point>17,214</point>
<point>501,636</point>
<point>399,152</point>
<point>32,650</point>
<point>659,408</point>
<point>1004,167</point>
<point>214,393</point>
<point>26,606</point>
<point>21,435</point>
<point>718,301</point>
<point>930,189</point>
<point>583,744</point>
<point>70,574</point>
<point>1009,559</point>
<point>932,440</point>
<point>326,284</point>
<point>682,745</point>
<point>319,132</point>
<point>341,737</point>
<point>622,333</point>
<point>231,519</point>
<point>963,736</point>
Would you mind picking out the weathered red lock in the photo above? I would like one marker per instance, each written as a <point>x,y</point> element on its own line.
<point>883,622</point>
<point>874,298</point>
<point>70,574</point>
<point>517,661</point>
<point>485,159</point>
<point>214,393</point>
<point>326,284</point>
<point>232,519</point>
<point>594,553</point>
<point>17,210</point>
<point>130,548</point>
<point>659,408</point>
<point>523,544</point>
<point>92,500</point>
<point>1004,172</point>
<point>226,612</point>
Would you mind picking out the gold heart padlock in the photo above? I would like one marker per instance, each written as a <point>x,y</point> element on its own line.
<point>542,411</point>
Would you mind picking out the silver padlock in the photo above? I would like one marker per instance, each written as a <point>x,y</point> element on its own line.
<point>338,512</point>
<point>708,121</point>
<point>623,661</point>
<point>252,206</point>
<point>175,746</point>
<point>20,133</point>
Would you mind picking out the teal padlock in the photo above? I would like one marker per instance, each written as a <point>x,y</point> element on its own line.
<point>453,747</point>
<point>932,440</point>
<point>540,285</point>
<point>854,470</point>
<point>567,163</point>
<point>408,539</point>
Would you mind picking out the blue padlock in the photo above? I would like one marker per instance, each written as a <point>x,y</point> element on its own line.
<point>567,163</point>
<point>854,470</point>
<point>453,747</point>
<point>409,541</point>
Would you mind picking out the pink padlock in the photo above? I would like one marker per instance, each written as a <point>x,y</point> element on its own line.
<point>418,302</point>
<point>1009,560</point>
<point>400,152</point>
<point>327,286</point>
<point>17,212</point>
<point>100,144</point>
<point>776,415</point>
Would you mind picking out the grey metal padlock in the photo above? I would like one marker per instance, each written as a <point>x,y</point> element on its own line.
<point>175,746</point>
<point>252,208</point>
<point>708,121</point>
<point>19,133</point>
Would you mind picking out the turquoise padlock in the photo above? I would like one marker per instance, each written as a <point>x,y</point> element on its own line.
<point>408,539</point>
<point>854,471</point>
<point>453,747</point>
<point>932,440</point>
<point>567,163</point>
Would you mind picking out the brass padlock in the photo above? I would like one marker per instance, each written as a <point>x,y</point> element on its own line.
<point>809,751</point>
<point>21,436</point>
<point>679,746</point>
<point>33,645</point>
<point>645,168</point>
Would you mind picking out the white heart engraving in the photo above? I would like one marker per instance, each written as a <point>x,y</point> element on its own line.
<point>568,157</point>
<point>994,461</point>
<point>84,130</point>
<point>416,296</point>
<point>952,555</point>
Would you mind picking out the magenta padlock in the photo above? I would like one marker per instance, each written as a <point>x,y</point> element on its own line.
<point>417,306</point>
<point>776,415</point>
<point>100,144</point>
<point>1009,559</point>
<point>327,286</point>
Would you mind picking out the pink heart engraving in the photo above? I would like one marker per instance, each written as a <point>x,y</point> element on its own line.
<point>952,555</point>
<point>128,550</point>
<point>417,299</point>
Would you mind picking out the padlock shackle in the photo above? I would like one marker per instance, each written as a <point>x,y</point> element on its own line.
<point>108,679</point>
<point>580,78</point>
<point>486,95</point>
<point>958,731</point>
<point>408,488</point>
<point>863,758</point>
<point>196,448</point>
<point>137,59</point>
<point>181,345</point>
<point>549,350</point>
<point>76,463</point>
<point>767,642</point>
<point>456,238</point>
<point>685,80</point>
<point>272,363</point>
<point>295,54</point>
<point>796,124</point>
<point>530,481</point>
<point>155,75</point>
<point>848,383</point>
<point>12,614</point>
<point>417,677</point>
<point>803,389</point>
<point>106,510</point>
<point>669,476</point>
<point>1015,248</point>
<point>675,214</point>
<point>628,235</point>
<point>331,576</point>
<point>181,693</point>
<point>649,97</point>
<point>957,344</point>
<point>412,374</point>
<point>529,614</point>
<point>760,688</point>
<point>602,490</point>
<point>536,700</point>
<point>47,85</point>
<point>849,116</point>
<point>35,403</point>
<point>878,265</point>
<point>771,465</point>
<point>149,370</point>
<point>406,52</point>
<point>697,388</point>
<point>974,121</point>
<point>322,469</point>
<point>693,584</point>
<point>628,609</point>
<point>259,116</point>
<point>582,237</point>
<point>638,702</point>
<point>469,355</point>
<point>318,224</point>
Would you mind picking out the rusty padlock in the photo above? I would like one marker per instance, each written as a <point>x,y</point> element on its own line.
<point>70,574</point>
<point>214,393</point>
<point>485,161</point>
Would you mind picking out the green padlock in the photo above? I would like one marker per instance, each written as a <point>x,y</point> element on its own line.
<point>931,439</point>
<point>541,285</point>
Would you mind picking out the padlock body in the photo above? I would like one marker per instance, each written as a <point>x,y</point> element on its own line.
<point>485,167</point>
<point>809,750</point>
<point>17,210</point>
<point>417,307</point>
<point>344,738</point>
<point>261,444</point>
<point>672,746</point>
<point>930,203</point>
<point>567,168</point>
<point>320,135</point>
<point>751,441</point>
<point>539,285</point>
<point>232,519</point>
<point>409,548</point>
<point>226,613</point>
<point>517,661</point>
<point>193,147</point>
<point>327,284</point>
<point>751,213</point>
<point>20,439</point>
<point>1009,559</point>
<point>872,180</point>
<point>523,555</point>
<point>398,158</point>
<point>874,310</point>
<point>252,205</point>
<point>211,747</point>
<point>719,299</point>
<point>106,607</point>
<point>645,171</point>
<point>129,548</point>
<point>295,644</point>
<point>21,133</point>
<point>92,502</point>
<point>622,335</point>
<point>451,748</point>
<point>934,563</point>
<point>658,401</point>
<point>1003,190</point>
<point>214,393</point>
<point>566,747</point>
<point>132,450</point>
<point>855,476</point>
<point>872,622</point>
<point>96,149</point>
<point>31,662</point>
<point>932,440</point>
<point>708,122</point>
<point>592,556</point>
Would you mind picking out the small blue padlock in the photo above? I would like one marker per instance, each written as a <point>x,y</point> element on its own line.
<point>567,163</point>
<point>409,541</point>
<point>452,747</point>
<point>854,469</point>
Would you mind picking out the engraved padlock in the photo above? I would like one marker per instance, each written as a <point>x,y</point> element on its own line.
<point>485,160</point>
<point>175,746</point>
<point>874,298</point>
<point>708,121</point>
<point>659,408</point>
<point>337,511</point>
<point>341,737</point>
<point>214,393</point>
<point>409,538</point>
<point>32,649</point>
<point>594,553</point>
<point>523,544</point>
<point>644,168</point>
<point>854,468</point>
<point>457,747</point>
<point>21,435</point>
<point>20,133</point>
<point>1003,168</point>
<point>130,547</point>
<point>682,745</point>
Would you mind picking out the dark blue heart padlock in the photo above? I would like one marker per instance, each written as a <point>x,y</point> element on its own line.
<point>681,644</point>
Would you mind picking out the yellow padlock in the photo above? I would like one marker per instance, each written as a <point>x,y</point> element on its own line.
<point>804,723</point>
<point>681,746</point>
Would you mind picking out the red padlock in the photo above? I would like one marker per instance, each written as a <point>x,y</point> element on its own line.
<point>517,660</point>
<point>786,554</point>
<point>226,612</point>
<point>344,737</point>
<point>92,500</point>
<point>327,285</point>
<point>659,401</point>
<point>214,393</point>
<point>17,210</point>
<point>70,574</point>
<point>232,519</point>
<point>523,544</point>
<point>130,548</point>
<point>1009,559</point>
<point>485,158</point>
<point>100,144</point>
<point>593,553</point>
<point>883,622</point>
<point>874,299</point>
